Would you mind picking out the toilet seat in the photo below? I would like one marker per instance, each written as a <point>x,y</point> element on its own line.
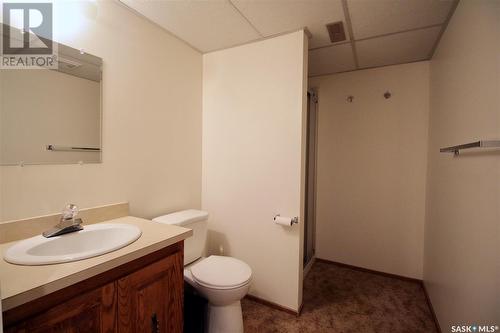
<point>219,272</point>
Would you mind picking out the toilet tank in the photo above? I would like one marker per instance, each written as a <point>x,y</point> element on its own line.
<point>196,220</point>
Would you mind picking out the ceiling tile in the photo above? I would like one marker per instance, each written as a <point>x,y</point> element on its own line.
<point>332,59</point>
<point>397,48</point>
<point>274,17</point>
<point>372,18</point>
<point>207,25</point>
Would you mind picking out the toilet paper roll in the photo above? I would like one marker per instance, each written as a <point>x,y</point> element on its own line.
<point>288,221</point>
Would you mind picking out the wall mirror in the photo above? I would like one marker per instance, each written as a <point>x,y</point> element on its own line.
<point>52,116</point>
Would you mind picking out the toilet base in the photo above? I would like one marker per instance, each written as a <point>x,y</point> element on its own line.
<point>225,319</point>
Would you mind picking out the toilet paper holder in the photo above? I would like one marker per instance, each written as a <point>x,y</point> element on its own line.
<point>294,220</point>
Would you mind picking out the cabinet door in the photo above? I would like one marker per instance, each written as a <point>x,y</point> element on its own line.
<point>94,311</point>
<point>150,299</point>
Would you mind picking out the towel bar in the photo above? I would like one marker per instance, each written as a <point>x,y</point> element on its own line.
<point>476,144</point>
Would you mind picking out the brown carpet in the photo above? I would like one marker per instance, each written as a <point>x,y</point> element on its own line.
<point>341,300</point>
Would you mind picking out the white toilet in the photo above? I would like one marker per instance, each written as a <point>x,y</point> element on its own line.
<point>222,280</point>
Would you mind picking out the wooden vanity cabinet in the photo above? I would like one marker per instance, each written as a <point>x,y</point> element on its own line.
<point>93,311</point>
<point>150,300</point>
<point>144,295</point>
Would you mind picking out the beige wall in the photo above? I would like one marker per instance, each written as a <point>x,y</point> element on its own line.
<point>253,103</point>
<point>372,158</point>
<point>62,109</point>
<point>462,234</point>
<point>151,121</point>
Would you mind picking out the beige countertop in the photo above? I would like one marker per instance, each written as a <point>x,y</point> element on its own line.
<point>21,284</point>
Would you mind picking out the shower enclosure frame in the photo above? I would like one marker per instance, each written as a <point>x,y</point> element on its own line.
<point>310,181</point>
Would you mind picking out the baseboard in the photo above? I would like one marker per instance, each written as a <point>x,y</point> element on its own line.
<point>274,305</point>
<point>300,309</point>
<point>395,276</point>
<point>436,321</point>
<point>362,269</point>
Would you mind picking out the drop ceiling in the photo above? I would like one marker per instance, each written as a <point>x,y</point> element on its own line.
<point>378,32</point>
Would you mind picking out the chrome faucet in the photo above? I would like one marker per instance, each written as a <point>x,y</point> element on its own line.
<point>68,223</point>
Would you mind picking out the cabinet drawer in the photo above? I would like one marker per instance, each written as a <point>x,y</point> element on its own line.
<point>94,311</point>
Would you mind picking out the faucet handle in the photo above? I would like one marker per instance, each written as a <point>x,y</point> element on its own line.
<point>69,212</point>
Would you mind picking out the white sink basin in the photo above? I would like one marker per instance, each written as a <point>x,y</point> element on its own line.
<point>93,240</point>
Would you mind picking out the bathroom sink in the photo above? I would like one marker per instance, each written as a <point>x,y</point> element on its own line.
<point>93,240</point>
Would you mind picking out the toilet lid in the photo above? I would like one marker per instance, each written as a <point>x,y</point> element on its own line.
<point>221,272</point>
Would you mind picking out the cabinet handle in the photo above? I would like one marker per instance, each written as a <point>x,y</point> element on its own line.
<point>155,324</point>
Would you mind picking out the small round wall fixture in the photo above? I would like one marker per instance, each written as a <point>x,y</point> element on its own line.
<point>387,95</point>
<point>350,98</point>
